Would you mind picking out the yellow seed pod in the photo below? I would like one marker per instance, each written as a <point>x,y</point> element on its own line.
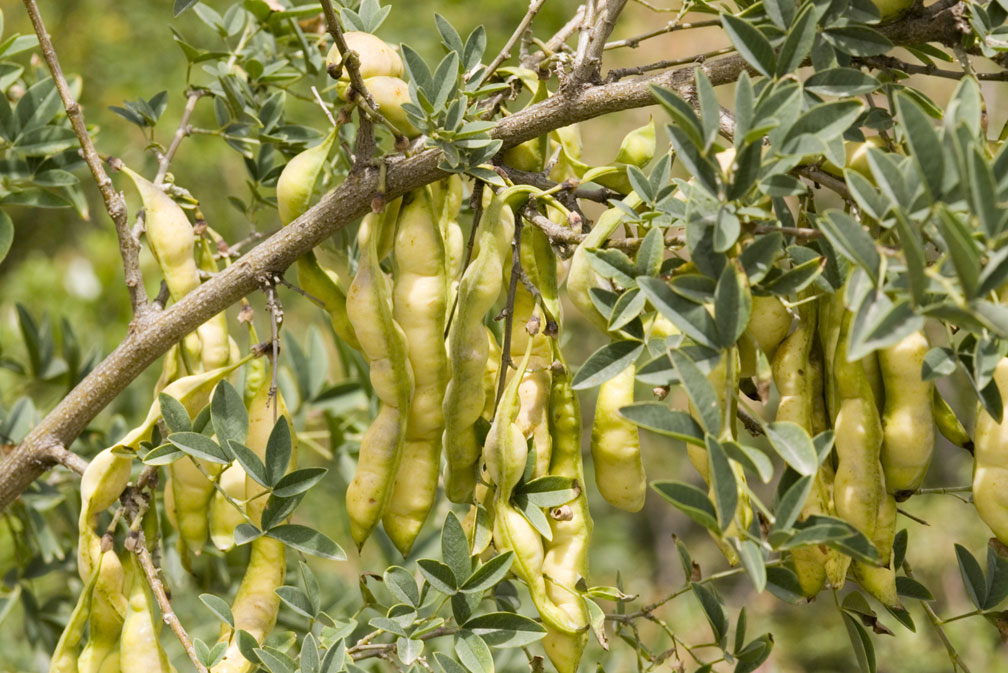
<point>377,57</point>
<point>638,146</point>
<point>615,446</point>
<point>390,93</point>
<point>297,180</point>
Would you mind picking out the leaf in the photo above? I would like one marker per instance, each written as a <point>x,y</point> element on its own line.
<point>401,584</point>
<point>864,651</point>
<point>657,417</point>
<point>455,549</point>
<point>182,5</point>
<point>690,318</point>
<point>438,575</point>
<point>911,588</point>
<point>199,446</point>
<point>798,43</point>
<point>418,71</point>
<point>841,82</point>
<point>851,240</point>
<point>793,444</point>
<point>605,363</point>
<point>219,607</point>
<point>699,389</point>
<point>858,40</point>
<point>713,609</point>
<point>683,115</point>
<point>754,563</point>
<point>449,36</point>
<point>278,451</point>
<point>298,482</point>
<point>174,414</point>
<point>6,234</point>
<point>926,149</point>
<point>691,501</point>
<point>297,600</point>
<point>732,305</point>
<point>308,540</point>
<point>275,661</point>
<point>825,121</point>
<point>473,652</point>
<point>505,629</point>
<point>549,491</point>
<point>751,44</point>
<point>722,481</point>
<point>228,414</point>
<point>488,574</point>
<point>962,250</point>
<point>972,576</point>
<point>790,505</point>
<point>250,462</point>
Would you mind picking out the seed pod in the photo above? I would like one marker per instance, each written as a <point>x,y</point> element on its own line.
<point>615,445</point>
<point>390,93</point>
<point>948,423</point>
<point>296,183</point>
<point>880,581</point>
<point>170,237</point>
<point>64,657</point>
<point>990,466</point>
<point>376,56</point>
<point>638,146</point>
<point>419,297</point>
<point>141,651</point>
<point>907,425</point>
<point>565,562</point>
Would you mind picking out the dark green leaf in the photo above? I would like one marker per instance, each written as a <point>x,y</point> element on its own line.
<point>925,147</point>
<point>972,576</point>
<point>841,82</point>
<point>864,651</point>
<point>455,548</point>
<point>473,652</point>
<point>488,574</point>
<point>713,609</point>
<point>174,414</point>
<point>278,451</point>
<point>658,417</point>
<point>298,481</point>
<point>297,600</point>
<point>199,446</point>
<point>250,462</point>
<point>852,241</point>
<point>699,389</point>
<point>219,607</point>
<point>505,629</point>
<point>438,575</point>
<point>723,483</point>
<point>732,305</point>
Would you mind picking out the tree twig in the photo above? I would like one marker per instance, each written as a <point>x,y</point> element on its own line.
<point>115,204</point>
<point>181,132</point>
<point>58,454</point>
<point>588,63</point>
<point>505,52</point>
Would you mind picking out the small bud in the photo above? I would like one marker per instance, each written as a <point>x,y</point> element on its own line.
<point>660,392</point>
<point>562,513</point>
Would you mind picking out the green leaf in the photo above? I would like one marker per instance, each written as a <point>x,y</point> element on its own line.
<point>962,249</point>
<point>549,491</point>
<point>690,318</point>
<point>926,148</point>
<point>449,36</point>
<point>447,664</point>
<point>841,82</point>
<point>199,446</point>
<point>297,600</point>
<point>627,307</point>
<point>858,40</point>
<point>455,548</point>
<point>334,658</point>
<point>228,414</point>
<point>713,609</point>
<point>473,652</point>
<point>174,414</point>
<point>972,576</point>
<point>754,563</point>
<point>650,253</point>
<point>825,121</point>
<point>605,363</point>
<point>308,540</point>
<point>488,574</point>
<point>798,43</point>
<point>182,5</point>
<point>276,661</point>
<point>278,451</point>
<point>418,71</point>
<point>438,575</point>
<point>911,588</point>
<point>505,629</point>
<point>219,607</point>
<point>309,659</point>
<point>298,481</point>
<point>710,109</point>
<point>722,482</point>
<point>732,305</point>
<point>401,584</point>
<point>852,241</point>
<point>6,234</point>
<point>691,501</point>
<point>997,577</point>
<point>250,462</point>
<point>699,389</point>
<point>864,651</point>
<point>790,505</point>
<point>751,44</point>
<point>683,115</point>
<point>658,417</point>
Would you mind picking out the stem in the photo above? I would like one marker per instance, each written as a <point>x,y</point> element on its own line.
<point>505,52</point>
<point>936,622</point>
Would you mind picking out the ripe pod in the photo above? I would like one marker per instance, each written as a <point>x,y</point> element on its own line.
<point>615,445</point>
<point>390,93</point>
<point>907,422</point>
<point>376,56</point>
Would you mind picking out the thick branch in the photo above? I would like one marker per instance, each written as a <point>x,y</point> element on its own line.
<point>129,247</point>
<point>154,335</point>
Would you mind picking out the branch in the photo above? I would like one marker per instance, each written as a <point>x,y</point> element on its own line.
<point>505,52</point>
<point>588,63</point>
<point>337,209</point>
<point>57,454</point>
<point>181,132</point>
<point>115,204</point>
